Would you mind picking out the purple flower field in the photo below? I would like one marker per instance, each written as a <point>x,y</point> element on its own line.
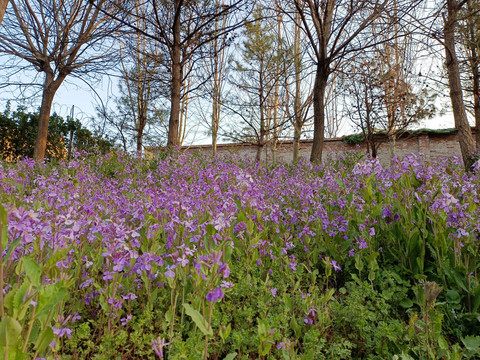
<point>189,257</point>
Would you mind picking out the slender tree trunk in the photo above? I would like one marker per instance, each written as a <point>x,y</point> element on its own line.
<point>215,103</point>
<point>3,9</point>
<point>296,143</point>
<point>215,121</point>
<point>174,121</point>
<point>218,59</point>
<point>465,137</point>
<point>50,87</point>
<point>177,78</point>
<point>261,141</point>
<point>476,98</point>
<point>142,121</point>
<point>373,147</point>
<point>474,63</point>
<point>297,103</point>
<point>319,90</point>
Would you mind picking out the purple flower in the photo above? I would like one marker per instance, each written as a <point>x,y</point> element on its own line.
<point>125,320</point>
<point>183,260</point>
<point>158,345</point>
<point>107,275</point>
<point>215,295</point>
<point>362,244</point>
<point>169,273</point>
<point>226,284</point>
<point>274,292</point>
<point>60,332</point>
<point>372,231</point>
<point>335,266</point>
<point>129,296</point>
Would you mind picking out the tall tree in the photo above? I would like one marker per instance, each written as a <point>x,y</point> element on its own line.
<point>469,39</point>
<point>336,30</point>
<point>297,87</point>
<point>217,65</point>
<point>256,82</point>
<point>465,137</point>
<point>140,66</point>
<point>56,39</point>
<point>183,28</point>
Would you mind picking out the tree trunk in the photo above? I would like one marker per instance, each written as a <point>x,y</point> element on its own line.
<point>296,143</point>
<point>215,122</point>
<point>297,103</point>
<point>50,87</point>
<point>465,137</point>
<point>215,108</point>
<point>141,128</point>
<point>373,147</point>
<point>319,89</point>
<point>258,156</point>
<point>263,131</point>
<point>3,9</point>
<point>476,84</point>
<point>177,78</point>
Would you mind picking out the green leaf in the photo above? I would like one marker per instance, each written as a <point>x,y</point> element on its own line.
<point>56,256</point>
<point>19,298</point>
<point>453,297</point>
<point>12,247</point>
<point>3,227</point>
<point>210,229</point>
<point>358,262</point>
<point>33,271</point>
<point>406,303</point>
<point>241,217</point>
<point>230,356</point>
<point>169,316</point>
<point>48,298</point>
<point>295,327</point>
<point>44,339</point>
<point>442,343</point>
<point>262,327</point>
<point>471,342</point>
<point>224,331</point>
<point>198,319</point>
<point>476,298</point>
<point>10,330</point>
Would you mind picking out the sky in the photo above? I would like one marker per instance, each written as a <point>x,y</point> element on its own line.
<point>75,96</point>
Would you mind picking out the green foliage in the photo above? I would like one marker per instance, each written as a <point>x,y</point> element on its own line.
<point>31,307</point>
<point>18,131</point>
<point>354,139</point>
<point>403,294</point>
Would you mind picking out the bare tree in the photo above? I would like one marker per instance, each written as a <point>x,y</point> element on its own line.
<point>301,105</point>
<point>256,84</point>
<point>140,63</point>
<point>217,65</point>
<point>465,137</point>
<point>469,41</point>
<point>335,30</point>
<point>56,39</point>
<point>183,29</point>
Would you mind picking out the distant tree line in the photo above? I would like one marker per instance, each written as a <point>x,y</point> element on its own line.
<point>18,131</point>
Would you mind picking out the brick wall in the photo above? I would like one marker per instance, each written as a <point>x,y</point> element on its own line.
<point>431,144</point>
